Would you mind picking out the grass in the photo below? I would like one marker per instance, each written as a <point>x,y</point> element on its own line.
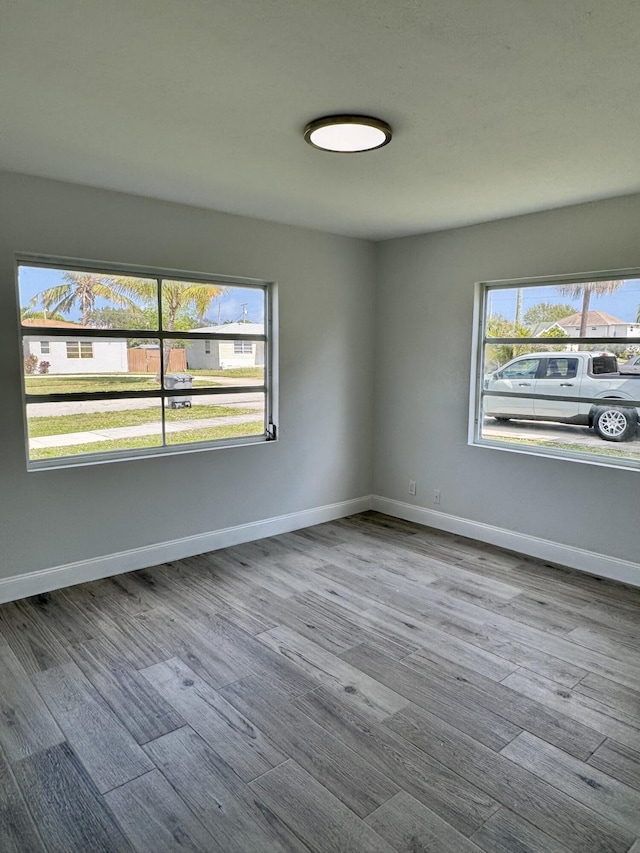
<point>79,384</point>
<point>89,421</point>
<point>232,372</point>
<point>605,450</point>
<point>86,384</point>
<point>206,434</point>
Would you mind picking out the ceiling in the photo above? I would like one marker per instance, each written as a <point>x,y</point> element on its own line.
<point>499,107</point>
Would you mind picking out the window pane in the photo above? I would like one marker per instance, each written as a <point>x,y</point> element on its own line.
<point>64,429</point>
<point>213,363</point>
<point>531,395</point>
<point>84,367</point>
<point>59,298</point>
<point>215,416</point>
<point>196,306</point>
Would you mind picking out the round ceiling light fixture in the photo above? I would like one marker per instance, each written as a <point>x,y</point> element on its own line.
<point>347,134</point>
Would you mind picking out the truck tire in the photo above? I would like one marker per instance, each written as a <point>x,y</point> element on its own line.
<point>615,423</point>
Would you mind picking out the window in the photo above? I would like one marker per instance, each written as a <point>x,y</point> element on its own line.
<point>79,349</point>
<point>44,348</point>
<point>132,378</point>
<point>548,378</point>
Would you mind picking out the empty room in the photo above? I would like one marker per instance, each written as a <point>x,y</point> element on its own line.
<point>320,381</point>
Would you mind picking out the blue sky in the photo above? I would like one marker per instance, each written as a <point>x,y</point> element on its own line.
<point>228,307</point>
<point>624,304</point>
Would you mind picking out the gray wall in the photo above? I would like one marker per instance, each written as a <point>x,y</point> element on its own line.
<point>424,323</point>
<point>50,518</point>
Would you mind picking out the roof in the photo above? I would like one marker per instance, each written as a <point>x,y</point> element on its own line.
<point>594,318</point>
<point>52,324</point>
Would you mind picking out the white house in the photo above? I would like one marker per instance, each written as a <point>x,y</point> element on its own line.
<point>74,354</point>
<point>599,325</point>
<point>221,355</point>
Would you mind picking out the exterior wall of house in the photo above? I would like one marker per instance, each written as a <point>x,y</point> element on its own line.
<point>108,356</point>
<point>605,331</point>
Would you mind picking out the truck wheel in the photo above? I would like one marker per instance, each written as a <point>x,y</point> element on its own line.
<point>615,424</point>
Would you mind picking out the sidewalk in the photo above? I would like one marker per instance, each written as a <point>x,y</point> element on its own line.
<point>113,433</point>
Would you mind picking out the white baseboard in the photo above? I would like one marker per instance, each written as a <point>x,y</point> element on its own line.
<point>554,552</point>
<point>45,580</point>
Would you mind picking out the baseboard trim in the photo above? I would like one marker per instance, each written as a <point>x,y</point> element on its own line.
<point>46,580</point>
<point>533,546</point>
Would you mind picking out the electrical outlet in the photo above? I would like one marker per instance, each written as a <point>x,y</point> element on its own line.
<point>436,496</point>
<point>412,487</point>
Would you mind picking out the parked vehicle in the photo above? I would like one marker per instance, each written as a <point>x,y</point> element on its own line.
<point>554,385</point>
<point>632,365</point>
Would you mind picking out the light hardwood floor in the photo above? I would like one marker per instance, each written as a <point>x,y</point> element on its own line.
<point>364,685</point>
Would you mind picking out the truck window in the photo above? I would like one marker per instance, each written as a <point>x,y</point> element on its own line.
<point>561,368</point>
<point>526,368</point>
<point>604,364</point>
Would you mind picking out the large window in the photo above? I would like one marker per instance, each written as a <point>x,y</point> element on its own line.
<point>142,362</point>
<point>556,367</point>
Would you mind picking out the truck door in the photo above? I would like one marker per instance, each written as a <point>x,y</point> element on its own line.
<point>519,376</point>
<point>559,376</point>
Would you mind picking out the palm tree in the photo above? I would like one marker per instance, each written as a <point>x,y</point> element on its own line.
<point>83,288</point>
<point>585,289</point>
<point>179,296</point>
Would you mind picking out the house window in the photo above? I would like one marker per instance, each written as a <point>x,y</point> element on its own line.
<point>546,376</point>
<point>79,349</point>
<point>44,348</point>
<point>242,347</point>
<point>133,364</point>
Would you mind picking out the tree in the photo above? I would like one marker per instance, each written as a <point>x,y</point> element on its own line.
<point>83,288</point>
<point>183,297</point>
<point>547,312</point>
<point>585,289</point>
<point>27,313</point>
<point>498,354</point>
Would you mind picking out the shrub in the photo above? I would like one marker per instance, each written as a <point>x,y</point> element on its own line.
<point>44,366</point>
<point>31,364</point>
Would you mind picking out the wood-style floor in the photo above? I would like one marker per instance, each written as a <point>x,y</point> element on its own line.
<point>365,685</point>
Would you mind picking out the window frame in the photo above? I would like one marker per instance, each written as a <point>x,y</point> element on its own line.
<point>479,341</point>
<point>269,386</point>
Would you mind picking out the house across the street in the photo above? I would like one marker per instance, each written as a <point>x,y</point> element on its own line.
<point>222,355</point>
<point>599,325</point>
<point>71,354</point>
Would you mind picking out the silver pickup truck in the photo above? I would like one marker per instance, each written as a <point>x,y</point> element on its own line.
<point>567,387</point>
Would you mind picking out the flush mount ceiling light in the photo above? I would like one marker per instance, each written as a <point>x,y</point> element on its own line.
<point>347,134</point>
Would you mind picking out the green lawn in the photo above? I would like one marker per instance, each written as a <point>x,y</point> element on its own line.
<point>64,424</point>
<point>232,372</point>
<point>78,384</point>
<point>207,434</point>
<point>604,449</point>
<point>58,384</point>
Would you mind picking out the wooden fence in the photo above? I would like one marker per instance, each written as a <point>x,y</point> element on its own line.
<point>148,360</point>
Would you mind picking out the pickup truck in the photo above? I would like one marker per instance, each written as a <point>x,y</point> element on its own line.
<point>554,386</point>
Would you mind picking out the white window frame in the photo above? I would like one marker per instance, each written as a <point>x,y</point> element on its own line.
<point>45,347</point>
<point>242,347</point>
<point>269,337</point>
<point>481,290</point>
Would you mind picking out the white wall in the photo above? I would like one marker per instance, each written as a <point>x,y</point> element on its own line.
<point>108,356</point>
<point>51,518</point>
<point>424,320</point>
